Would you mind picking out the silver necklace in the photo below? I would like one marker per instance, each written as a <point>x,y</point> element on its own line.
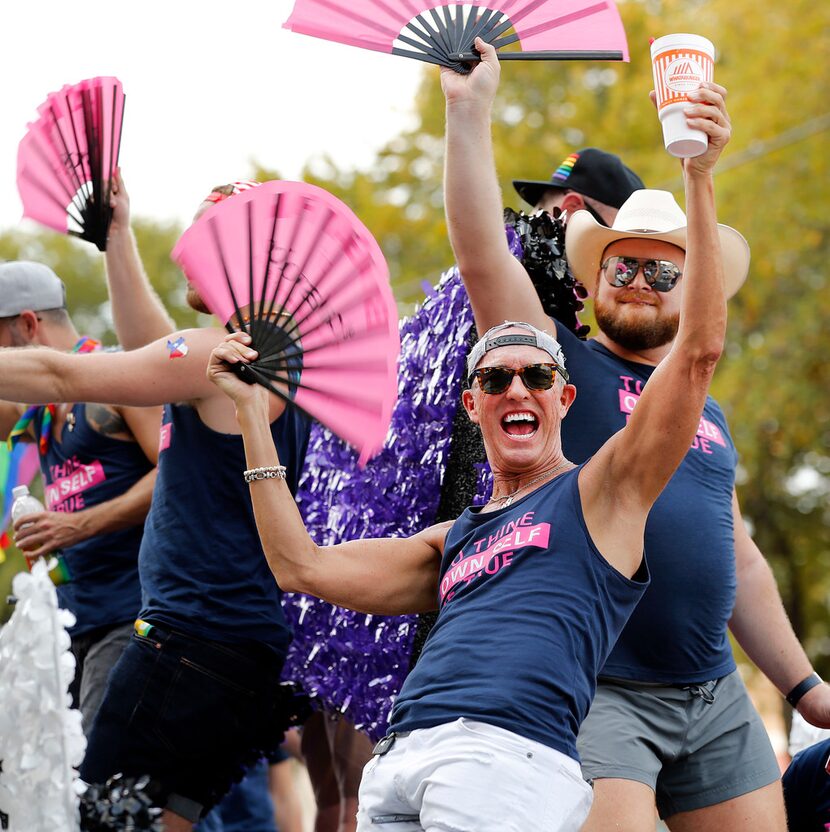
<point>507,499</point>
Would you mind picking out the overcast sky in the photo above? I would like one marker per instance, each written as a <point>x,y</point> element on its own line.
<point>211,86</point>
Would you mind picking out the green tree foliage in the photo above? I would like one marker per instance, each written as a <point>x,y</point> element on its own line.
<point>81,267</point>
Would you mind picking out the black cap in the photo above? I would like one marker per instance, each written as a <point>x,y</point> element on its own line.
<point>590,172</point>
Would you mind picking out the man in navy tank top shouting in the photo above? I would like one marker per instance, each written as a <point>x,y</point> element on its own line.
<point>671,723</point>
<point>532,589</point>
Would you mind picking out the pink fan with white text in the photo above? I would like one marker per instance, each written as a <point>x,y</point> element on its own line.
<point>292,266</point>
<point>66,160</point>
<point>444,33</point>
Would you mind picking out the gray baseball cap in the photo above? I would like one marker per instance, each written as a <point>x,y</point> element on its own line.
<point>491,340</point>
<point>27,285</point>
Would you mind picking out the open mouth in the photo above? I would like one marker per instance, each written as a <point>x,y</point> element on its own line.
<point>520,425</point>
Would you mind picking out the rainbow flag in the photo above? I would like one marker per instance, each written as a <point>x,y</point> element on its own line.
<point>17,467</point>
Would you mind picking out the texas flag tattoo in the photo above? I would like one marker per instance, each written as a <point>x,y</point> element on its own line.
<point>177,348</point>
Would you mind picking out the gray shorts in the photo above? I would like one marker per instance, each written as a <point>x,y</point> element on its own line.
<point>95,654</point>
<point>693,748</point>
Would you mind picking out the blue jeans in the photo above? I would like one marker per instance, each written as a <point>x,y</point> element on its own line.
<point>247,807</point>
<point>192,714</point>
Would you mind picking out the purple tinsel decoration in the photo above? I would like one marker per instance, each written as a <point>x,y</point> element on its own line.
<point>350,662</point>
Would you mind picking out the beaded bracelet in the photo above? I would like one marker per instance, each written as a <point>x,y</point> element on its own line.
<point>270,472</point>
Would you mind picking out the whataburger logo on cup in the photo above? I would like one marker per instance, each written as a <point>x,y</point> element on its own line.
<point>681,63</point>
<point>686,72</point>
<point>678,72</point>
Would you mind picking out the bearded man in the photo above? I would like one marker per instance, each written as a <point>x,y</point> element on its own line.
<point>671,723</point>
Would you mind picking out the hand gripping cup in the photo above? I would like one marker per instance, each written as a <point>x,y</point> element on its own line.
<point>681,63</point>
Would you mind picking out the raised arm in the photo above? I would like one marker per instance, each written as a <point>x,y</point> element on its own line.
<point>497,283</point>
<point>628,473</point>
<point>389,576</point>
<point>138,313</point>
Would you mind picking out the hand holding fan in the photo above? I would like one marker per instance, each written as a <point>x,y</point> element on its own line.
<point>293,267</point>
<point>444,33</point>
<point>66,160</point>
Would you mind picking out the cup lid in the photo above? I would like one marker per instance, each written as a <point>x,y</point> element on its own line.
<point>682,40</point>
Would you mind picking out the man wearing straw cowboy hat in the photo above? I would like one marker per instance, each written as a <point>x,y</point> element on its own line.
<point>532,588</point>
<point>671,723</point>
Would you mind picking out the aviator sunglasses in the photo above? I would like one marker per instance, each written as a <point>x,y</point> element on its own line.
<point>533,376</point>
<point>661,275</point>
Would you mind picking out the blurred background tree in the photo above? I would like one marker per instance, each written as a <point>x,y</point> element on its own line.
<point>772,185</point>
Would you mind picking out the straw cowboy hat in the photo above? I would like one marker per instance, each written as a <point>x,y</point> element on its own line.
<point>648,215</point>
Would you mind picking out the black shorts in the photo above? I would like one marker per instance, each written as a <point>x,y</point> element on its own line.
<point>190,713</point>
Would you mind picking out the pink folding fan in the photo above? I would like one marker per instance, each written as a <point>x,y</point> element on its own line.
<point>292,266</point>
<point>66,160</point>
<point>444,33</point>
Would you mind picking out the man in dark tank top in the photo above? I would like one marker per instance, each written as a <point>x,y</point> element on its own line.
<point>195,697</point>
<point>533,588</point>
<point>672,729</point>
<point>98,465</point>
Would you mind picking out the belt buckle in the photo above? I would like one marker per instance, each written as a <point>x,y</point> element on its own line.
<point>383,745</point>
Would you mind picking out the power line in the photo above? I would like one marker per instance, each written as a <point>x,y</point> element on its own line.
<point>760,148</point>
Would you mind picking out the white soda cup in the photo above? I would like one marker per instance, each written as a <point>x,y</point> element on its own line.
<point>681,63</point>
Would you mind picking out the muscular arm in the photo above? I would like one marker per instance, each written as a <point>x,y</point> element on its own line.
<point>497,284</point>
<point>137,311</point>
<point>147,376</point>
<point>382,576</point>
<point>761,626</point>
<point>625,477</point>
<point>41,534</point>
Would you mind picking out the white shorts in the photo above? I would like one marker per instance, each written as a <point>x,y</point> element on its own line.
<point>467,776</point>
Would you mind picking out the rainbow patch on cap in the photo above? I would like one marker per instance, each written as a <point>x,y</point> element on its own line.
<point>565,169</point>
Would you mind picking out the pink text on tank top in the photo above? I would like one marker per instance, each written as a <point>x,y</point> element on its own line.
<point>69,481</point>
<point>707,431</point>
<point>514,535</point>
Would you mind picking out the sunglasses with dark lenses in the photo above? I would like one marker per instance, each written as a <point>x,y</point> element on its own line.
<point>661,275</point>
<point>533,376</point>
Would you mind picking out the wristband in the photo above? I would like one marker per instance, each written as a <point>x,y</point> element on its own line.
<point>794,696</point>
<point>270,472</point>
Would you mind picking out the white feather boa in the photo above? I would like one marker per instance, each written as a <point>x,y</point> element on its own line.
<point>42,740</point>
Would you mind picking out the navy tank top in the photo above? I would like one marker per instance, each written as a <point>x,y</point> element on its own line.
<point>678,633</point>
<point>529,609</point>
<point>82,469</point>
<point>202,567</point>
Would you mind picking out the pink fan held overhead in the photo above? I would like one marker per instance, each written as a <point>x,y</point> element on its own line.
<point>293,266</point>
<point>66,160</point>
<point>444,33</point>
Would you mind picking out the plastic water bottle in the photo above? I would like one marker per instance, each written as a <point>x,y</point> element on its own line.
<point>25,503</point>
